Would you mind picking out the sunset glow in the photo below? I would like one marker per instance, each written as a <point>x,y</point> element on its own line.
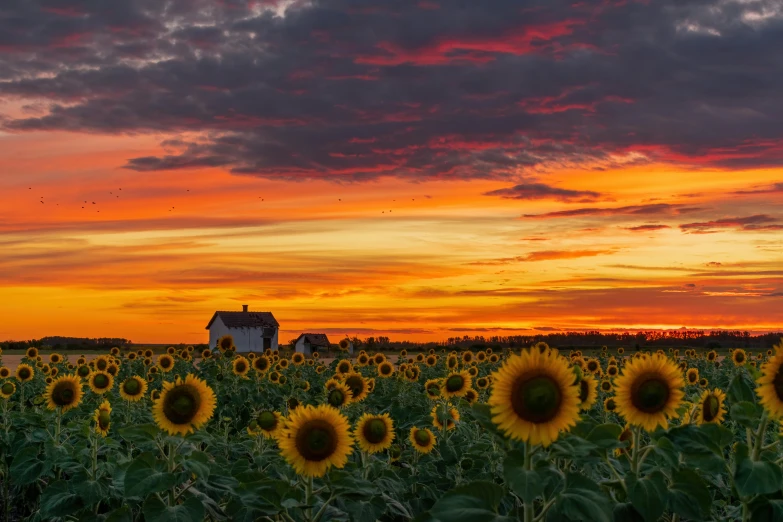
<point>141,194</point>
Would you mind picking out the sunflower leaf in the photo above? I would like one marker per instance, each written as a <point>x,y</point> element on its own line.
<point>755,478</point>
<point>146,475</point>
<point>527,484</point>
<point>473,502</point>
<point>582,499</point>
<point>648,494</point>
<point>689,495</point>
<point>57,500</point>
<point>746,413</point>
<point>156,511</point>
<point>741,389</point>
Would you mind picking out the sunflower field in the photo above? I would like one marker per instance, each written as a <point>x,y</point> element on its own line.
<point>534,435</point>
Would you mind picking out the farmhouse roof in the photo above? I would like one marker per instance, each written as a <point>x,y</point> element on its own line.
<point>245,319</point>
<point>315,339</point>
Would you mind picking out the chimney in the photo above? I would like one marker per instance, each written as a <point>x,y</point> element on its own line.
<point>244,308</point>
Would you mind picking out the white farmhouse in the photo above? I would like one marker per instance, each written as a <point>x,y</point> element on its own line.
<point>307,343</point>
<point>252,331</point>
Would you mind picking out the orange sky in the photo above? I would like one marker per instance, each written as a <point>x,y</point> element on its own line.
<point>420,261</point>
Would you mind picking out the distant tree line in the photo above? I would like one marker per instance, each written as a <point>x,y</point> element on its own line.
<point>67,343</point>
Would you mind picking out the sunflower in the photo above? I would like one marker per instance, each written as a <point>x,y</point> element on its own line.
<point>482,383</point>
<point>403,353</point>
<point>770,385</point>
<point>452,362</point>
<point>64,392</point>
<point>649,391</point>
<point>494,358</point>
<point>315,439</point>
<point>692,375</point>
<point>83,371</point>
<point>101,362</point>
<point>610,404</point>
<point>431,360</point>
<point>533,397</point>
<point>133,388</point>
<point>467,357</point>
<point>385,369</point>
<point>100,382</point>
<point>24,373</point>
<point>472,371</point>
<point>267,423</point>
<point>423,440</point>
<point>102,418</point>
<point>81,360</point>
<point>331,383</point>
<point>440,415</point>
<point>4,372</point>
<point>261,364</point>
<point>621,350</point>
<point>7,389</point>
<point>412,374</point>
<point>344,367</point>
<point>338,395</point>
<point>711,355</point>
<point>225,343</point>
<point>282,380</point>
<point>374,433</point>
<point>606,386</point>
<point>420,357</point>
<point>592,366</point>
<point>240,366</point>
<point>612,371</point>
<point>395,452</point>
<point>587,392</point>
<point>481,356</point>
<point>165,362</point>
<point>362,360</point>
<point>471,396</point>
<point>625,436</point>
<point>456,384</point>
<point>274,376</point>
<point>184,405</point>
<point>55,358</point>
<point>432,387</point>
<point>114,351</point>
<point>132,356</point>
<point>711,407</point>
<point>370,384</point>
<point>739,357</point>
<point>378,358</point>
<point>357,385</point>
<point>112,369</point>
<point>31,352</point>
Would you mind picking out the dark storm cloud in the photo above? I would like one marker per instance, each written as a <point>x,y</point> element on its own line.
<point>758,222</point>
<point>543,191</point>
<point>357,89</point>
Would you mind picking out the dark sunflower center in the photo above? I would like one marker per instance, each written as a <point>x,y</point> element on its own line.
<point>374,431</point>
<point>356,384</point>
<point>610,405</point>
<point>181,404</point>
<point>343,368</point>
<point>592,366</point>
<point>83,371</point>
<point>536,399</point>
<point>650,395</point>
<point>267,420</point>
<point>131,386</point>
<point>103,419</point>
<point>710,408</point>
<point>739,357</point>
<point>385,369</point>
<point>778,383</point>
<point>336,398</point>
<point>7,388</point>
<point>165,363</point>
<point>261,363</point>
<point>24,373</point>
<point>101,365</point>
<point>455,383</point>
<point>422,438</point>
<point>584,390</point>
<point>100,381</point>
<point>240,367</point>
<point>433,389</point>
<point>316,440</point>
<point>63,394</point>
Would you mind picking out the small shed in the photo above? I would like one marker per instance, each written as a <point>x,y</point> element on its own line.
<point>252,331</point>
<point>308,343</point>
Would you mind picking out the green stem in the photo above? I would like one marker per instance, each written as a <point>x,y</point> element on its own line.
<point>545,509</point>
<point>321,511</point>
<point>760,436</point>
<point>171,466</point>
<point>529,513</point>
<point>635,450</point>
<point>308,498</point>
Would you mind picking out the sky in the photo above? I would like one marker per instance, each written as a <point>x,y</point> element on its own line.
<point>416,169</point>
